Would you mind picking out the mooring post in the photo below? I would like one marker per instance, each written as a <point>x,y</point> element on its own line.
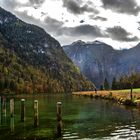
<point>59,119</point>
<point>131,92</point>
<point>12,114</point>
<point>12,107</point>
<point>3,109</point>
<point>22,110</point>
<point>0,110</point>
<point>36,116</point>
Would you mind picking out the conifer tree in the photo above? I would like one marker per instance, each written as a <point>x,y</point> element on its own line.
<point>114,84</point>
<point>106,84</point>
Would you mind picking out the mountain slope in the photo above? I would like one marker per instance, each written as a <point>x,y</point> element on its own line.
<point>32,47</point>
<point>98,60</point>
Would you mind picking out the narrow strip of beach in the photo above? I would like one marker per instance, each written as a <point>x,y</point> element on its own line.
<point>120,96</point>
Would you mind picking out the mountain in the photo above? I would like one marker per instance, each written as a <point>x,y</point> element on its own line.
<point>98,60</point>
<point>33,61</point>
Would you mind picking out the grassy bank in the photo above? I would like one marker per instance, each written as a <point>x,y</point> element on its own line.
<point>120,96</point>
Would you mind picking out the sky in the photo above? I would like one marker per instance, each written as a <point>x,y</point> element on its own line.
<point>115,22</point>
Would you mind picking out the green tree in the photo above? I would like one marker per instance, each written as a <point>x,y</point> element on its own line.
<point>106,84</point>
<point>114,84</point>
<point>7,83</point>
<point>101,87</point>
<point>13,85</point>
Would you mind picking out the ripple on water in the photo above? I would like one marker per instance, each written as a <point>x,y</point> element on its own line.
<point>70,135</point>
<point>127,132</point>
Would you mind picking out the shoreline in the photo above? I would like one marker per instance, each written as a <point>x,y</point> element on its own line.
<point>121,97</point>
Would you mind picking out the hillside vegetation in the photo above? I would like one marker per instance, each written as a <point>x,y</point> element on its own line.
<point>31,61</point>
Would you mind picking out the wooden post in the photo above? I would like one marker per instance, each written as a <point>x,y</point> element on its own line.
<point>12,114</point>
<point>3,118</point>
<point>95,91</point>
<point>22,110</point>
<point>12,107</point>
<point>36,118</point>
<point>131,97</point>
<point>59,119</point>
<point>0,110</point>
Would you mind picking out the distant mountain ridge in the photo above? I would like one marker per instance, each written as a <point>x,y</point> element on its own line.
<point>98,60</point>
<point>40,60</point>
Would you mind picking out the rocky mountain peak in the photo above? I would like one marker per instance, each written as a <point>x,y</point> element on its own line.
<point>78,43</point>
<point>98,42</point>
<point>98,60</point>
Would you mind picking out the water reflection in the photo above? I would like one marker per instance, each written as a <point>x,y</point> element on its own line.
<point>83,119</point>
<point>0,110</point>
<point>12,125</point>
<point>134,128</point>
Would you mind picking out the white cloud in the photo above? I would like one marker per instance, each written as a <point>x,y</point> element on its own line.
<point>23,1</point>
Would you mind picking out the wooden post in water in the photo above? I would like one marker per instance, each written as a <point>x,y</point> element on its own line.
<point>22,110</point>
<point>36,118</point>
<point>0,110</point>
<point>12,107</point>
<point>12,114</point>
<point>131,92</point>
<point>3,109</point>
<point>59,119</point>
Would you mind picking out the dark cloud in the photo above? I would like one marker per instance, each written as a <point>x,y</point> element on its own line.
<point>83,30</point>
<point>76,7</point>
<point>88,30</point>
<point>52,25</point>
<point>43,14</point>
<point>122,6</point>
<point>36,3</point>
<point>82,21</point>
<point>29,19</point>
<point>12,4</point>
<point>98,18</point>
<point>120,34</point>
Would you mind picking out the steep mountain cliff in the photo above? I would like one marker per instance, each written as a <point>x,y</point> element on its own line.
<point>34,57</point>
<point>98,60</point>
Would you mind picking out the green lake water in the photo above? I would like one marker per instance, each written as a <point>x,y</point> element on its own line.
<point>83,119</point>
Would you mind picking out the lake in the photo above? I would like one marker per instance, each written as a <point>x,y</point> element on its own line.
<point>83,119</point>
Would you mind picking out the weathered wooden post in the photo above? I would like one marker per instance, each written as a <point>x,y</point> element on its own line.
<point>12,114</point>
<point>0,110</point>
<point>3,119</point>
<point>131,92</point>
<point>59,119</point>
<point>36,116</point>
<point>12,107</point>
<point>95,91</point>
<point>22,110</point>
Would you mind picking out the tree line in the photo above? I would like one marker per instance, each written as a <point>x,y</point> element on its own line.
<point>123,82</point>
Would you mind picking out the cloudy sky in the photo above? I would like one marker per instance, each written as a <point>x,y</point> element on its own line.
<point>115,22</point>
